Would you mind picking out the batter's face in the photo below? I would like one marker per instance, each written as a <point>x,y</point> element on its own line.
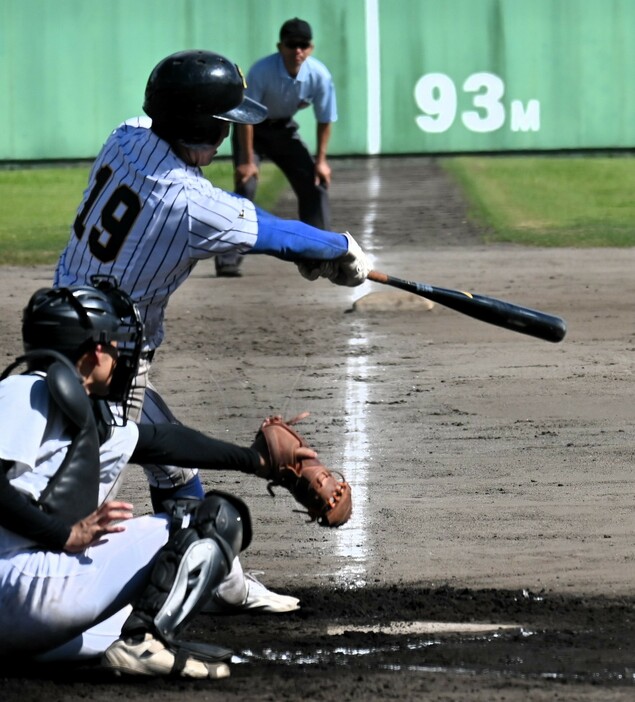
<point>200,154</point>
<point>294,54</point>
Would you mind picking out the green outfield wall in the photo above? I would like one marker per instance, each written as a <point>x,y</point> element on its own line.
<point>412,76</point>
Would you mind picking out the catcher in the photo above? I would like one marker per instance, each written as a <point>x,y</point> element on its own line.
<point>79,575</point>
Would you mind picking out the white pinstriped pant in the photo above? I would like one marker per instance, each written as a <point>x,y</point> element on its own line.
<point>148,407</point>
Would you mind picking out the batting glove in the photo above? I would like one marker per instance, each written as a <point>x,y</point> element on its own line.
<point>350,269</point>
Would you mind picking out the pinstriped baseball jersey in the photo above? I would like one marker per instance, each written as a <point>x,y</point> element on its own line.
<point>147,218</point>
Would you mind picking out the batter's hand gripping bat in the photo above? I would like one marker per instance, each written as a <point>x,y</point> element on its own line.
<point>488,309</point>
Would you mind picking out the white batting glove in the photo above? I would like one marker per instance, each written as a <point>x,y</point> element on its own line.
<point>350,269</point>
<point>353,267</point>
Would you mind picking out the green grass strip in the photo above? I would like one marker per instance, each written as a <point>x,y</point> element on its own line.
<point>38,206</point>
<point>550,201</point>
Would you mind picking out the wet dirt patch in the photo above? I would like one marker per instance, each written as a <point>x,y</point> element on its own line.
<point>579,643</point>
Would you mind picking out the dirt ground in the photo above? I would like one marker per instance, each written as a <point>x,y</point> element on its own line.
<point>490,554</point>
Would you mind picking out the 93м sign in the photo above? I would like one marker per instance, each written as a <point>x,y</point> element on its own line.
<point>437,98</point>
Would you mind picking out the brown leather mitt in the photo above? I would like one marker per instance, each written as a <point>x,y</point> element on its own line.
<point>315,487</point>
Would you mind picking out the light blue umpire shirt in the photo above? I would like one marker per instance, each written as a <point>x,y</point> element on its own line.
<point>269,83</point>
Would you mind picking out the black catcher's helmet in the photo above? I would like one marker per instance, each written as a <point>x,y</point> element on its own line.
<point>72,320</point>
<point>189,90</point>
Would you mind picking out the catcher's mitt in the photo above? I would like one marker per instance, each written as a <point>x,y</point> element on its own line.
<point>327,499</point>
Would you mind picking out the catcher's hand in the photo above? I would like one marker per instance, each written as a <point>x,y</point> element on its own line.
<point>291,463</point>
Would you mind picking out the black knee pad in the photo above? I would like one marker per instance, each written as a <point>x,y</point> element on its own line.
<point>219,514</point>
<point>228,515</point>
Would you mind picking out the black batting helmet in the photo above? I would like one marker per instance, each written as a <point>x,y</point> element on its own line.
<point>189,90</point>
<point>73,320</point>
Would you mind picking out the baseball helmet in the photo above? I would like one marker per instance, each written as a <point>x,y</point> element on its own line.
<point>73,320</point>
<point>189,90</point>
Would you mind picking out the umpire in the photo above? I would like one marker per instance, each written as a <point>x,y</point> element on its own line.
<point>285,82</point>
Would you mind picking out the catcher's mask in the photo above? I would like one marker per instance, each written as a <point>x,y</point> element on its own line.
<point>72,320</point>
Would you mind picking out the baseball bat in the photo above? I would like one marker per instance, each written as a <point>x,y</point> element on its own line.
<point>488,309</point>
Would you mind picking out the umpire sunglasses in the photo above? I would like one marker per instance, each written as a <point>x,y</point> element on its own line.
<point>293,45</point>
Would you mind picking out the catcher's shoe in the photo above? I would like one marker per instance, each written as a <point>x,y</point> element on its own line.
<point>257,599</point>
<point>151,657</point>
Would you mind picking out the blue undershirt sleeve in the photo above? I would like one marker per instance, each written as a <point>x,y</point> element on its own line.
<point>295,241</point>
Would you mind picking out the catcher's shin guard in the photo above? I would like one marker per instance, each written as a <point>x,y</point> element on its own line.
<point>206,535</point>
<point>202,564</point>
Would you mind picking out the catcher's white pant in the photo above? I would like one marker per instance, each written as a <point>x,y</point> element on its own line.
<point>73,606</point>
<point>77,602</point>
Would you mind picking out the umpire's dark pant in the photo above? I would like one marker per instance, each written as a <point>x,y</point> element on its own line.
<point>280,142</point>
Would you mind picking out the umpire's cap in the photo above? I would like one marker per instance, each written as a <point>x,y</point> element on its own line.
<point>187,91</point>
